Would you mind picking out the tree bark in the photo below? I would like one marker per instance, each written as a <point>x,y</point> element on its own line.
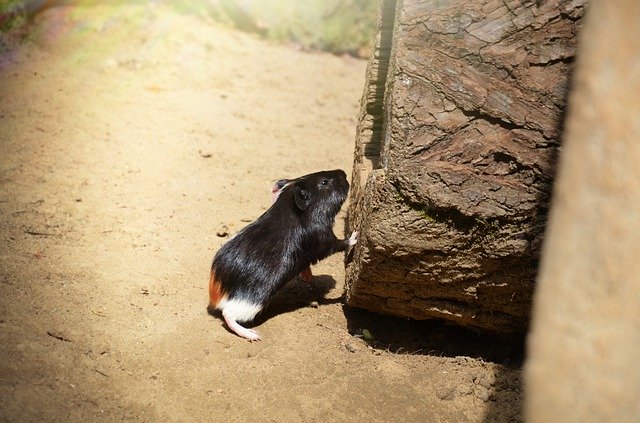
<point>584,343</point>
<point>459,129</point>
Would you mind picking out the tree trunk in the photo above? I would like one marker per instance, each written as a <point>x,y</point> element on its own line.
<point>458,133</point>
<point>584,344</point>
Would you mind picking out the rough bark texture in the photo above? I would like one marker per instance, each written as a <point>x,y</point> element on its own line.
<point>585,334</point>
<point>455,152</point>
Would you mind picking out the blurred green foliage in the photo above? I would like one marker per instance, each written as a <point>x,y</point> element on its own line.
<point>12,15</point>
<point>338,26</point>
<point>13,18</point>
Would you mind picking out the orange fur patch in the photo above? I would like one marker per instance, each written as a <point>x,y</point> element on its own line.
<point>306,275</point>
<point>215,290</point>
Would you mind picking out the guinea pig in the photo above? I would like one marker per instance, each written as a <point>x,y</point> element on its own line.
<point>294,233</point>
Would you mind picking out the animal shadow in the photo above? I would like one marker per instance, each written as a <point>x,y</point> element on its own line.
<point>299,294</point>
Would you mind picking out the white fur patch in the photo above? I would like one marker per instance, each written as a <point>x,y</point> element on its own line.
<point>239,310</point>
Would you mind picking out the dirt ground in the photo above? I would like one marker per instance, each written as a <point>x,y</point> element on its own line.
<point>131,137</point>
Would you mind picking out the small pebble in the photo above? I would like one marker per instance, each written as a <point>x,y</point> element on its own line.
<point>445,393</point>
<point>476,377</point>
<point>514,380</point>
<point>483,394</point>
<point>484,381</point>
<point>222,232</point>
<point>464,390</point>
<point>350,348</point>
<point>468,377</point>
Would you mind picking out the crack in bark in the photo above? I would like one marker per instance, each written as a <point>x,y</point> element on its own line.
<point>450,216</point>
<point>566,60</point>
<point>478,114</point>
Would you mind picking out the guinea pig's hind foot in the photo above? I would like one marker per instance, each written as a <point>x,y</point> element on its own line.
<point>247,333</point>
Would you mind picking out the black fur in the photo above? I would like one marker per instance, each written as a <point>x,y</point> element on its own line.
<point>295,232</point>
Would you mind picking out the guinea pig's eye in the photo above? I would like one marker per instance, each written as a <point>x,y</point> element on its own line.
<point>324,182</point>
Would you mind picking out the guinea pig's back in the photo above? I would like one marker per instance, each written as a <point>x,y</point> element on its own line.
<point>256,262</point>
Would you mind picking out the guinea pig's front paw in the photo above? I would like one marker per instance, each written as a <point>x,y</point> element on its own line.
<point>353,239</point>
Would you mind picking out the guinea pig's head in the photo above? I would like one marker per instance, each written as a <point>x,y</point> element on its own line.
<point>321,192</point>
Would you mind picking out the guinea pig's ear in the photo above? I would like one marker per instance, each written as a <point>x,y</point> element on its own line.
<point>301,196</point>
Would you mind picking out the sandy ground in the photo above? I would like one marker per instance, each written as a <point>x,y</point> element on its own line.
<point>129,137</point>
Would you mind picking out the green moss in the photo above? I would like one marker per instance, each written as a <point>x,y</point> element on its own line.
<point>12,15</point>
<point>481,228</point>
<point>426,216</point>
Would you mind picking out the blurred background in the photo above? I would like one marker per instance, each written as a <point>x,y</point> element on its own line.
<point>336,26</point>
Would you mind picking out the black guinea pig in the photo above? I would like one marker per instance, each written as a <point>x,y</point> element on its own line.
<point>294,233</point>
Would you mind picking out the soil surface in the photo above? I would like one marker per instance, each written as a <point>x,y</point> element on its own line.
<point>133,141</point>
